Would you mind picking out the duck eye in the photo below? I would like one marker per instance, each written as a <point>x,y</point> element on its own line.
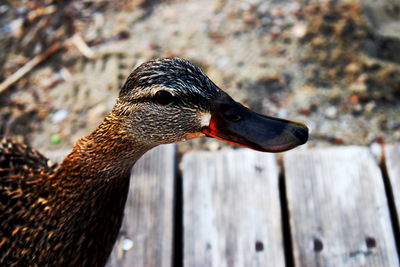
<point>163,97</point>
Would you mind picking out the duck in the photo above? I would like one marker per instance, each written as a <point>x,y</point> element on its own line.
<point>69,214</point>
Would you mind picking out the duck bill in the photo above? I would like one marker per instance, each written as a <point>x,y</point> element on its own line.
<point>233,123</point>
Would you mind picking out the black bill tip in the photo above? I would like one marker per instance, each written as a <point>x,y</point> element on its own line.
<point>300,132</point>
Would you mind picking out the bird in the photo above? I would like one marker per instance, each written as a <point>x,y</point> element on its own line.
<point>69,214</point>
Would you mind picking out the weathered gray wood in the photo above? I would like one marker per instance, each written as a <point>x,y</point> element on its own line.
<point>392,157</point>
<point>146,234</point>
<point>338,208</point>
<point>56,155</point>
<point>231,209</point>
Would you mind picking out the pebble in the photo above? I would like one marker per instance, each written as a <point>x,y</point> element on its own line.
<point>282,113</point>
<point>393,124</point>
<point>59,116</point>
<point>331,112</point>
<point>15,28</point>
<point>223,63</point>
<point>352,68</point>
<point>299,30</point>
<point>376,149</point>
<point>357,110</point>
<point>214,146</point>
<point>245,6</point>
<point>3,9</point>
<point>358,87</point>
<point>370,106</point>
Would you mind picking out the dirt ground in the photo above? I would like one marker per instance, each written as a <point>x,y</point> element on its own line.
<point>333,65</point>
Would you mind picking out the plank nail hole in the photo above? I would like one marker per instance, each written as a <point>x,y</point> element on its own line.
<point>371,242</point>
<point>259,246</point>
<point>318,245</point>
<point>208,246</point>
<point>258,169</point>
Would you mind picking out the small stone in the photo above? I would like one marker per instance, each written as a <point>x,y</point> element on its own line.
<point>396,135</point>
<point>331,112</point>
<point>354,99</point>
<point>357,110</point>
<point>59,116</point>
<point>299,30</point>
<point>245,6</point>
<point>213,146</point>
<point>362,78</point>
<point>15,28</point>
<point>223,63</point>
<point>277,12</point>
<point>248,18</point>
<point>276,30</point>
<point>282,113</point>
<point>393,124</point>
<point>376,149</point>
<point>352,68</point>
<point>305,111</point>
<point>358,87</point>
<point>369,107</point>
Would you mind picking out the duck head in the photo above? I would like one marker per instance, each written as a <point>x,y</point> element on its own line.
<point>172,100</point>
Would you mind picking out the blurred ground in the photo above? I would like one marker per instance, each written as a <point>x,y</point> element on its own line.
<point>331,64</point>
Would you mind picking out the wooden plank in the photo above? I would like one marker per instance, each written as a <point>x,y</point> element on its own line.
<point>56,155</point>
<point>147,231</point>
<point>392,157</point>
<point>231,209</point>
<point>338,208</point>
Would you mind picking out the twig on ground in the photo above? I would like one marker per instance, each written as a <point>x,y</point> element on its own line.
<point>96,52</point>
<point>29,66</point>
<point>81,45</point>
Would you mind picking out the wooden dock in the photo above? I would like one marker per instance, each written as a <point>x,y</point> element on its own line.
<point>312,207</point>
<point>319,207</point>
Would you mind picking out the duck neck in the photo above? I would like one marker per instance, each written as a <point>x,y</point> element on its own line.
<point>91,186</point>
<point>106,154</point>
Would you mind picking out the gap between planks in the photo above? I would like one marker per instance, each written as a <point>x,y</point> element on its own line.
<point>391,172</point>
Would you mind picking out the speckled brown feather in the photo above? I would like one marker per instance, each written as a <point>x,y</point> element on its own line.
<point>65,216</point>
<point>22,172</point>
